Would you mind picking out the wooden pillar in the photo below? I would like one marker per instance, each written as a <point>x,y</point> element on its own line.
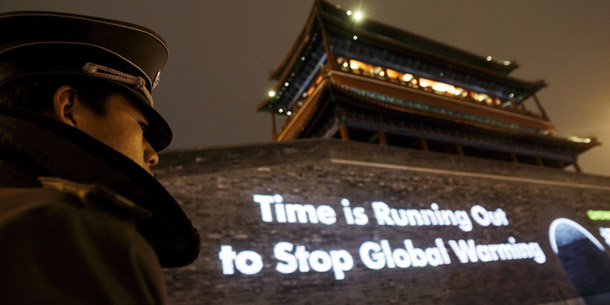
<point>273,128</point>
<point>460,151</point>
<point>544,115</point>
<point>514,157</point>
<point>344,133</point>
<point>424,144</point>
<point>578,170</point>
<point>330,56</point>
<point>382,139</point>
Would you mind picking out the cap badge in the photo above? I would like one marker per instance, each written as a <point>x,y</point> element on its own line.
<point>157,79</point>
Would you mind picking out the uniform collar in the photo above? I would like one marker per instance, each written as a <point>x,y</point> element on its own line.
<point>58,150</point>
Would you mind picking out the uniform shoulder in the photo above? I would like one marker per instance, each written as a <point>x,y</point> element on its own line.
<point>61,193</point>
<point>16,201</point>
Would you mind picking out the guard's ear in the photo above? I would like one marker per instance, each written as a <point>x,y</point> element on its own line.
<point>63,105</point>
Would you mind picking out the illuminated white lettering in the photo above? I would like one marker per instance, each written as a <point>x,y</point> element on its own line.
<point>401,258</point>
<point>483,253</point>
<point>437,213</point>
<point>326,215</point>
<point>280,213</point>
<point>320,261</point>
<point>293,212</point>
<point>480,216</point>
<point>387,216</point>
<point>227,256</point>
<point>265,204</point>
<point>303,213</point>
<point>354,216</point>
<point>444,254</point>
<point>361,217</point>
<point>418,256</point>
<point>433,255</point>
<point>484,217</point>
<point>246,262</point>
<point>347,212</point>
<point>429,217</point>
<point>342,261</point>
<point>339,261</point>
<point>387,252</point>
<point>376,256</point>
<point>371,256</point>
<point>302,257</point>
<point>288,263</point>
<point>465,251</point>
<point>469,252</point>
<point>464,222</point>
<point>399,216</point>
<point>493,252</point>
<point>382,212</point>
<point>536,253</point>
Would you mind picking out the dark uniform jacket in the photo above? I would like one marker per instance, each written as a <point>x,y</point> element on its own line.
<point>79,222</point>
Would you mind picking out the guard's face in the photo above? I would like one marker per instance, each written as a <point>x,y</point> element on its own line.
<point>122,128</point>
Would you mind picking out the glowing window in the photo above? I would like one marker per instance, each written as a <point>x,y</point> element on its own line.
<point>358,65</point>
<point>480,97</point>
<point>318,80</point>
<point>310,90</point>
<point>392,74</point>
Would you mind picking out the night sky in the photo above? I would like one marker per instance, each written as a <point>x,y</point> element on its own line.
<point>221,53</point>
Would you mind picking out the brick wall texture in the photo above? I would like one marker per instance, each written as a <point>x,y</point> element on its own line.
<point>216,186</point>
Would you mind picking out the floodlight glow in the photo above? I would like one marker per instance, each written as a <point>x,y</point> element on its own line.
<point>579,139</point>
<point>489,58</point>
<point>407,77</point>
<point>349,13</point>
<point>271,93</point>
<point>358,16</point>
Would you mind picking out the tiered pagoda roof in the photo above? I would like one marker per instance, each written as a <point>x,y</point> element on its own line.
<point>370,82</point>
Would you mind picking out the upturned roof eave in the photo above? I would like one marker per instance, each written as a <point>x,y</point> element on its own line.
<point>393,31</point>
<point>534,86</point>
<point>292,54</point>
<point>580,147</point>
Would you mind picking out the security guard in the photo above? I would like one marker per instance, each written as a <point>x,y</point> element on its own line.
<point>82,220</point>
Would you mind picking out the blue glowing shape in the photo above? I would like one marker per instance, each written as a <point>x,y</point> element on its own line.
<point>570,236</point>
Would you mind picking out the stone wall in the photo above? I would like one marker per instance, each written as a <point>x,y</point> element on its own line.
<point>413,263</point>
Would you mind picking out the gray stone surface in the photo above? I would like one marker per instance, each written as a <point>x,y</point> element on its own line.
<point>216,185</point>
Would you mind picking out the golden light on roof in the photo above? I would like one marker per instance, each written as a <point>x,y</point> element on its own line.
<point>358,16</point>
<point>579,139</point>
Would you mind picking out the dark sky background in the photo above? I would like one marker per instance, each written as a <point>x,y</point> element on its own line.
<point>221,53</point>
